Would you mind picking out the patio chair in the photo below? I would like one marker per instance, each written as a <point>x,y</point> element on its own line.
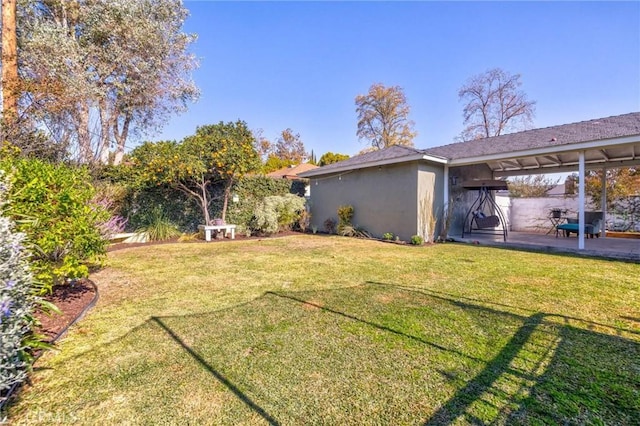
<point>572,226</point>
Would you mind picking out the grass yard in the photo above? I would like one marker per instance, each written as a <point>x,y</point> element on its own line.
<point>328,330</point>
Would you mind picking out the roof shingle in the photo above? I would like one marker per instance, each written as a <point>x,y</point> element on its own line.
<point>566,134</point>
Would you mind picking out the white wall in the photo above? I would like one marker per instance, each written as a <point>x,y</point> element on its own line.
<point>532,214</point>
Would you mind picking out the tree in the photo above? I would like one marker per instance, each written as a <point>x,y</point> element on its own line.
<point>220,153</point>
<point>531,186</point>
<point>98,73</point>
<point>383,117</point>
<point>262,145</point>
<point>274,163</point>
<point>570,184</point>
<point>330,158</point>
<point>621,183</point>
<point>288,150</point>
<point>494,105</point>
<point>10,82</point>
<point>290,147</point>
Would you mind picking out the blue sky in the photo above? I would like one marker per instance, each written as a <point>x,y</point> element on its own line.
<point>300,65</point>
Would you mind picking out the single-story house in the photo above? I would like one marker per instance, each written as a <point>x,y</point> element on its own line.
<point>403,190</point>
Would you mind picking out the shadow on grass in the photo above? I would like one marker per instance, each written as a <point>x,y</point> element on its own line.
<point>473,391</point>
<point>580,375</point>
<point>472,302</point>
<point>540,371</point>
<point>236,391</point>
<point>546,372</point>
<point>374,325</point>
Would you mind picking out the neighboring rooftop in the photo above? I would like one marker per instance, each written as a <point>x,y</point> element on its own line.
<point>292,172</point>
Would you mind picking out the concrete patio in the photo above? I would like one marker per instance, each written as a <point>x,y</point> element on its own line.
<point>607,248</point>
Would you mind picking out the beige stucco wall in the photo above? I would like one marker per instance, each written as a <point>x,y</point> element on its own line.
<point>430,200</point>
<point>385,199</point>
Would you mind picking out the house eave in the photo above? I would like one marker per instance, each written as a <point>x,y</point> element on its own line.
<point>379,163</point>
<point>559,149</point>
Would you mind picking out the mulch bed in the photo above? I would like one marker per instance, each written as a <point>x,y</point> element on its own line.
<point>71,299</point>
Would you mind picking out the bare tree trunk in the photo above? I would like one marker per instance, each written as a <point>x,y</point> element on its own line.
<point>225,202</point>
<point>84,136</point>
<point>9,63</point>
<point>121,138</point>
<point>105,125</point>
<point>205,201</point>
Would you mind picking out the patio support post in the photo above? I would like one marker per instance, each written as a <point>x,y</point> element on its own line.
<point>445,191</point>
<point>603,203</point>
<point>581,200</point>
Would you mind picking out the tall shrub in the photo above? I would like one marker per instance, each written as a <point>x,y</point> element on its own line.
<point>16,300</point>
<point>53,205</point>
<point>345,216</point>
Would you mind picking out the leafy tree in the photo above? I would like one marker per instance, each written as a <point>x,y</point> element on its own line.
<point>531,186</point>
<point>274,163</point>
<point>570,184</point>
<point>330,158</point>
<point>100,72</point>
<point>220,153</point>
<point>494,105</point>
<point>621,183</point>
<point>290,147</point>
<point>383,117</point>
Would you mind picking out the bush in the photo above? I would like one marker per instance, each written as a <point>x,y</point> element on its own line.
<point>351,231</point>
<point>53,205</point>
<point>139,199</point>
<point>304,220</point>
<point>251,192</point>
<point>16,301</point>
<point>277,213</point>
<point>388,236</point>
<point>417,240</point>
<point>345,216</point>
<point>330,225</point>
<point>159,227</point>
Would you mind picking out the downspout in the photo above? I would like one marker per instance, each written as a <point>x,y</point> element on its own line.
<point>581,200</point>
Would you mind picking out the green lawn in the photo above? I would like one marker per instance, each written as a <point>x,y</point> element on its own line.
<point>329,330</point>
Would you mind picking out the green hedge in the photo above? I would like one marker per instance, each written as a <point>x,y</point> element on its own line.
<point>140,201</point>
